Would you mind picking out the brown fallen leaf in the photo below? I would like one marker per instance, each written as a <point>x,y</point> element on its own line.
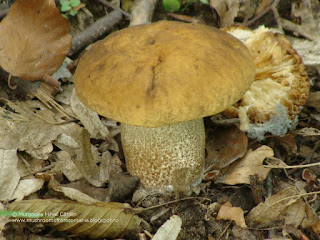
<point>316,227</point>
<point>34,39</point>
<point>250,164</point>
<point>226,146</point>
<point>287,205</point>
<point>94,220</point>
<point>227,212</point>
<point>273,207</point>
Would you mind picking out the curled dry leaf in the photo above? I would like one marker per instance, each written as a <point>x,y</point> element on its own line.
<point>94,220</point>
<point>170,229</point>
<point>226,146</point>
<point>227,212</point>
<point>34,39</point>
<point>250,164</point>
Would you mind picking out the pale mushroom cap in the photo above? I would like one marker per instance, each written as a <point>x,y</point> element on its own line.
<point>281,77</point>
<point>164,73</point>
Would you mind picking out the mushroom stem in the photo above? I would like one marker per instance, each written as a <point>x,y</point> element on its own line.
<point>154,154</point>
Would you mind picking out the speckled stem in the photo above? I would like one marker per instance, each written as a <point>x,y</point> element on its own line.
<point>154,154</point>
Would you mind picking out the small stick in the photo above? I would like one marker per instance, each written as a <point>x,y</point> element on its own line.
<point>51,81</point>
<point>307,160</point>
<point>96,30</point>
<point>184,18</point>
<point>289,167</point>
<point>107,4</point>
<point>271,7</point>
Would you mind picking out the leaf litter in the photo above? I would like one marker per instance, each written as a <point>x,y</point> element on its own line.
<point>46,153</point>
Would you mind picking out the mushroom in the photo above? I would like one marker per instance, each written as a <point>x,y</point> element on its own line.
<point>159,81</point>
<point>281,85</point>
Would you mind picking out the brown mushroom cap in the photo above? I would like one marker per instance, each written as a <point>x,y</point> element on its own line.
<point>164,73</point>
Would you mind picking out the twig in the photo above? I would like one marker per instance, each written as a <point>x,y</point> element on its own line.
<point>300,29</point>
<point>223,232</point>
<point>307,160</point>
<point>294,196</point>
<point>142,12</point>
<point>184,18</point>
<point>289,167</point>
<point>272,7</point>
<point>170,202</point>
<point>95,31</point>
<point>107,4</point>
<point>40,170</point>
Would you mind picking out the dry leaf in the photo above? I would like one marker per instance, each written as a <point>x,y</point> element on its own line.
<point>26,187</point>
<point>64,97</point>
<point>311,218</point>
<point>63,72</point>
<point>275,163</point>
<point>65,165</point>
<point>250,164</point>
<point>314,99</point>
<point>86,162</point>
<point>71,193</point>
<point>308,13</point>
<point>227,212</point>
<point>3,221</point>
<point>308,50</point>
<point>169,230</point>
<point>276,207</point>
<point>294,214</point>
<point>30,127</point>
<point>89,119</point>
<point>226,146</point>
<point>9,174</point>
<point>34,39</point>
<point>316,227</point>
<point>95,220</point>
<point>76,141</point>
<point>308,131</point>
<point>84,186</point>
<point>227,10</point>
